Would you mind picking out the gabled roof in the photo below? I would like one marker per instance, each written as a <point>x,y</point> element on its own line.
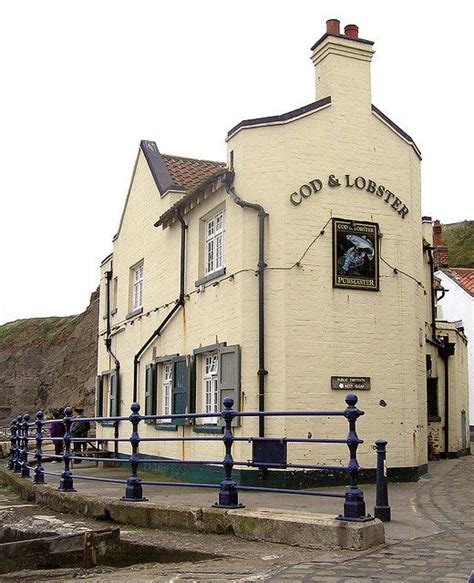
<point>192,198</point>
<point>190,172</point>
<point>173,173</point>
<point>281,119</point>
<point>313,107</point>
<point>177,172</point>
<point>463,276</point>
<point>397,129</point>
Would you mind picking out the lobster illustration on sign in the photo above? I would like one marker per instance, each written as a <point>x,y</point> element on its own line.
<point>361,249</point>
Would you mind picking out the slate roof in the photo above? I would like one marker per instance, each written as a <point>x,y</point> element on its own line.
<point>464,276</point>
<point>190,172</point>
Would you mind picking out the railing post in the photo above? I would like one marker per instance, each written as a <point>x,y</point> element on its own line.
<point>38,477</point>
<point>134,489</point>
<point>381,508</point>
<point>354,505</point>
<point>66,483</point>
<point>18,449</point>
<point>25,470</point>
<point>11,459</point>
<point>228,493</point>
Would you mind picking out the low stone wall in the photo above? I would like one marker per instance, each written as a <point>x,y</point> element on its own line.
<point>308,530</point>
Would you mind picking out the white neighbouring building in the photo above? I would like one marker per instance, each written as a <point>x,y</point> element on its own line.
<point>457,303</point>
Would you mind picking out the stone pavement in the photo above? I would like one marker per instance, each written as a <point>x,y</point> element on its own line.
<point>430,539</point>
<point>444,498</point>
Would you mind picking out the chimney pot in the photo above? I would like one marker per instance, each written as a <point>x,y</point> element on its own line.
<point>332,26</point>
<point>351,30</point>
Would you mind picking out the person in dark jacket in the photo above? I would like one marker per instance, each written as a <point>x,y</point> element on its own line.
<point>57,431</point>
<point>79,429</point>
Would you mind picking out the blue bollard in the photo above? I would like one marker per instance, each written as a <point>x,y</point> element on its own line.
<point>25,470</point>
<point>228,493</point>
<point>382,509</point>
<point>11,458</point>
<point>38,477</point>
<point>134,489</point>
<point>18,450</point>
<point>354,505</point>
<point>66,483</point>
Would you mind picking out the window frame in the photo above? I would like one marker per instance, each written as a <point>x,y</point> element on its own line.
<point>210,386</point>
<point>106,398</point>
<point>432,398</point>
<point>114,296</point>
<point>137,285</point>
<point>166,389</point>
<point>214,242</point>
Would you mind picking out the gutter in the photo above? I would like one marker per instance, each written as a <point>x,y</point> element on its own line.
<point>108,347</point>
<point>262,214</point>
<point>430,250</point>
<point>178,305</point>
<point>445,350</point>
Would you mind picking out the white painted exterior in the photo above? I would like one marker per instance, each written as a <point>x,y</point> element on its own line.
<point>456,305</point>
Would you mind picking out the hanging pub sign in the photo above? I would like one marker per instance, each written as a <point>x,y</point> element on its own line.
<point>355,254</point>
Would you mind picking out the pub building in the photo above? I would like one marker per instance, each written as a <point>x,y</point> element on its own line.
<point>292,274</point>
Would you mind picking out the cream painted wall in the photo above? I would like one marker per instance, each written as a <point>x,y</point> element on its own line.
<point>313,331</point>
<point>321,331</point>
<point>458,393</point>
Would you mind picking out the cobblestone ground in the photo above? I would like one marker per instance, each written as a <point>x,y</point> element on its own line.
<point>447,500</point>
<point>431,539</point>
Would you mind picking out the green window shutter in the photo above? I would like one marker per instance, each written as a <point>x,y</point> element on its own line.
<point>150,389</point>
<point>181,393</point>
<point>229,378</point>
<point>113,394</point>
<point>99,396</point>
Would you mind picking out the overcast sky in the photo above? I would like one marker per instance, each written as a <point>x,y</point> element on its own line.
<point>84,81</point>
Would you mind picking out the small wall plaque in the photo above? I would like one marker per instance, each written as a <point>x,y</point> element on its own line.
<point>350,383</point>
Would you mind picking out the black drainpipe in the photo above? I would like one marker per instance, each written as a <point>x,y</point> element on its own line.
<point>445,351</point>
<point>429,250</point>
<point>108,347</point>
<point>178,304</point>
<point>262,372</point>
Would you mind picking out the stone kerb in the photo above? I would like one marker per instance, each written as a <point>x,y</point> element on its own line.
<point>318,531</point>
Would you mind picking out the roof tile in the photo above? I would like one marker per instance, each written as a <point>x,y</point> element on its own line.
<point>464,276</point>
<point>189,172</point>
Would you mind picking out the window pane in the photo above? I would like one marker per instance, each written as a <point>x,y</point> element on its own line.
<point>167,380</point>
<point>214,248</point>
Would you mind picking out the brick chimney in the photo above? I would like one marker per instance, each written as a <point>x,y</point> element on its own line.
<point>342,63</point>
<point>440,254</point>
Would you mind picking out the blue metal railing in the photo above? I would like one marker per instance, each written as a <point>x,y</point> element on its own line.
<point>228,497</point>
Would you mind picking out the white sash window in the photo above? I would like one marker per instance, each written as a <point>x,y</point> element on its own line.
<point>214,242</point>
<point>167,390</point>
<point>137,282</point>
<point>211,385</point>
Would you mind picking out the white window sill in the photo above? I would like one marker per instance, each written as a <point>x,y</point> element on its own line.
<point>134,313</point>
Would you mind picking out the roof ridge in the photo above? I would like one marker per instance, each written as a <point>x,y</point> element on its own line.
<point>462,268</point>
<point>194,159</point>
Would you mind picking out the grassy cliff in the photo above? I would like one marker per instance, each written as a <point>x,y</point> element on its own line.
<point>35,331</point>
<point>459,238</point>
<point>48,362</point>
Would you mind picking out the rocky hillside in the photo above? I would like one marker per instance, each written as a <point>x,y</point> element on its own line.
<point>459,238</point>
<point>48,362</point>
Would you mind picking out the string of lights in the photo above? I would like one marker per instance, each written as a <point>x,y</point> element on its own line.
<point>231,276</point>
